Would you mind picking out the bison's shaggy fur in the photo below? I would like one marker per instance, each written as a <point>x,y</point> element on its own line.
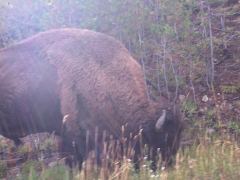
<point>86,78</point>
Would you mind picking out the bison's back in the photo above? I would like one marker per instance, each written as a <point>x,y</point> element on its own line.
<point>101,78</point>
<point>97,81</point>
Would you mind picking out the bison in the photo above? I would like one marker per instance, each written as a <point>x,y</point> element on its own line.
<point>74,81</point>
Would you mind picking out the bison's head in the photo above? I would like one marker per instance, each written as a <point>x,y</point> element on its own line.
<point>164,134</point>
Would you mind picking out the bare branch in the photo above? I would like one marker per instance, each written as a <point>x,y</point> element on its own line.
<point>142,62</point>
<point>176,79</point>
<point>164,65</point>
<point>211,47</point>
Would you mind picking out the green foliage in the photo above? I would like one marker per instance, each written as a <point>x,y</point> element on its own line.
<point>234,126</point>
<point>210,113</point>
<point>3,169</point>
<point>56,173</point>
<point>3,144</point>
<point>29,169</point>
<point>48,144</point>
<point>32,174</point>
<point>230,88</point>
<point>210,158</point>
<point>23,150</point>
<point>189,107</point>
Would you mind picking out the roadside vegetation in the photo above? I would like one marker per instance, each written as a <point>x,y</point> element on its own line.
<point>209,157</point>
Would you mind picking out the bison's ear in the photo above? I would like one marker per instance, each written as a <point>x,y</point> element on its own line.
<point>161,121</point>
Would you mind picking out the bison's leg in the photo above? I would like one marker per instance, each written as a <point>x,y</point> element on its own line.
<point>71,152</point>
<point>71,141</point>
<point>168,158</point>
<point>137,156</point>
<point>170,150</point>
<point>70,126</point>
<point>153,157</point>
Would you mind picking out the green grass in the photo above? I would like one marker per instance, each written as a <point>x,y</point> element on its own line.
<point>229,89</point>
<point>3,169</point>
<point>212,158</point>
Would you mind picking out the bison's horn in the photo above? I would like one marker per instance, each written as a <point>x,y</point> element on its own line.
<point>65,118</point>
<point>161,120</point>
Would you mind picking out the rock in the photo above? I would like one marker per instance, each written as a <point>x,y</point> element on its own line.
<point>205,98</point>
<point>53,164</point>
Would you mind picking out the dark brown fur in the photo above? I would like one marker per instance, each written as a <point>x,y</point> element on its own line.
<point>88,76</point>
